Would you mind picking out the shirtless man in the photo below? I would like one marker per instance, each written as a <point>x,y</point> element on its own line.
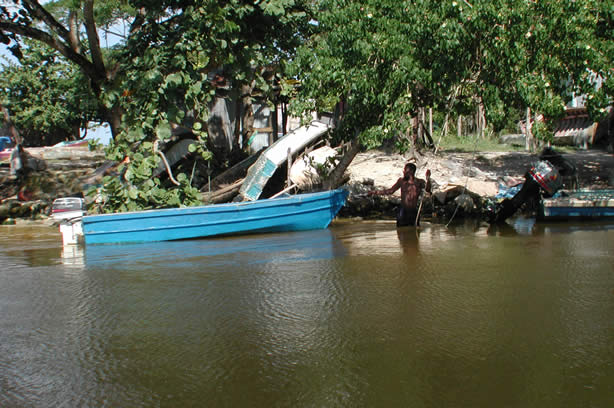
<point>411,188</point>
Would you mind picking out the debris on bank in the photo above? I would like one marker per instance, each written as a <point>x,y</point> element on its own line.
<point>31,179</point>
<point>464,184</point>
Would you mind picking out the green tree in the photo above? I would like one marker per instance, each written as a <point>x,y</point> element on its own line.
<point>48,98</point>
<point>386,59</point>
<point>171,84</point>
<point>158,77</point>
<point>70,28</point>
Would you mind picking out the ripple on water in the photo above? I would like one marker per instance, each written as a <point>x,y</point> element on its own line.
<point>361,315</point>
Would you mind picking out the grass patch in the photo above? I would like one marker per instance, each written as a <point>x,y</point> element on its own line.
<point>472,143</point>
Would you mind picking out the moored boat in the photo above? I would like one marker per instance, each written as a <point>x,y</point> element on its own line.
<point>289,213</point>
<point>578,204</point>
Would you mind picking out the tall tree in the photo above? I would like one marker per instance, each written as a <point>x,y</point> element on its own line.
<point>74,35</point>
<point>48,98</point>
<point>173,82</point>
<point>388,58</point>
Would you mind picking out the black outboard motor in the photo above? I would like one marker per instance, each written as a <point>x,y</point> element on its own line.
<point>544,178</point>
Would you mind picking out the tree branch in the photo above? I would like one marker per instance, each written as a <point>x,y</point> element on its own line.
<point>138,22</point>
<point>43,15</point>
<point>92,37</point>
<point>54,43</point>
<point>74,32</point>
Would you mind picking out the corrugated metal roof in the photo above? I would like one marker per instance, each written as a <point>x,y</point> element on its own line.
<point>575,122</point>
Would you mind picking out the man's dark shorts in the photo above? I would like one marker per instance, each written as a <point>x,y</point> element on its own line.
<point>407,217</point>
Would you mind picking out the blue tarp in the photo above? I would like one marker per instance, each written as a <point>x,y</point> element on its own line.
<point>507,191</point>
<point>4,141</point>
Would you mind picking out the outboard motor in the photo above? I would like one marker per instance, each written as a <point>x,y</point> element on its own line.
<point>567,169</point>
<point>542,178</point>
<point>547,176</point>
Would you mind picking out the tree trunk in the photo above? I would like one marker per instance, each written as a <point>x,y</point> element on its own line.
<point>93,39</point>
<point>533,139</point>
<point>114,117</point>
<point>410,134</point>
<point>478,122</point>
<point>444,131</point>
<point>483,119</point>
<point>76,133</point>
<point>237,130</point>
<point>610,128</point>
<point>427,137</point>
<point>247,115</point>
<point>336,177</point>
<point>284,119</point>
<point>73,24</point>
<point>14,132</point>
<point>431,121</point>
<point>274,124</point>
<point>459,126</point>
<point>420,121</point>
<point>527,131</point>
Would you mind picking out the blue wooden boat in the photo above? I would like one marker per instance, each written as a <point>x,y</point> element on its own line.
<point>578,204</point>
<point>289,213</point>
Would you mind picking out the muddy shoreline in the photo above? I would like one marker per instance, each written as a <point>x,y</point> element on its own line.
<point>474,177</point>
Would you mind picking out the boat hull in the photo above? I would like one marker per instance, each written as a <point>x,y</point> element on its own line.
<point>292,213</point>
<point>275,155</point>
<point>587,204</point>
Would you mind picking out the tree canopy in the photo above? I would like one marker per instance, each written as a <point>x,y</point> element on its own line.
<point>159,76</point>
<point>388,58</point>
<point>49,98</point>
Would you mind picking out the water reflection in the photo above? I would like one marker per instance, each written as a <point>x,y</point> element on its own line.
<point>73,256</point>
<point>31,245</point>
<point>527,226</point>
<point>283,247</point>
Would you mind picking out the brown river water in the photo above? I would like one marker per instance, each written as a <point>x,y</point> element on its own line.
<point>358,315</point>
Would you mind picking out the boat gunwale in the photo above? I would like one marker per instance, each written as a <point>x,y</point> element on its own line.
<point>217,208</point>
<point>578,203</point>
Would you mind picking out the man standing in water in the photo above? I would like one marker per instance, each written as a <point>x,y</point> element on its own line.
<point>411,188</point>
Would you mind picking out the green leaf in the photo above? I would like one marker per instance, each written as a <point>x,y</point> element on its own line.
<point>163,131</point>
<point>173,80</point>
